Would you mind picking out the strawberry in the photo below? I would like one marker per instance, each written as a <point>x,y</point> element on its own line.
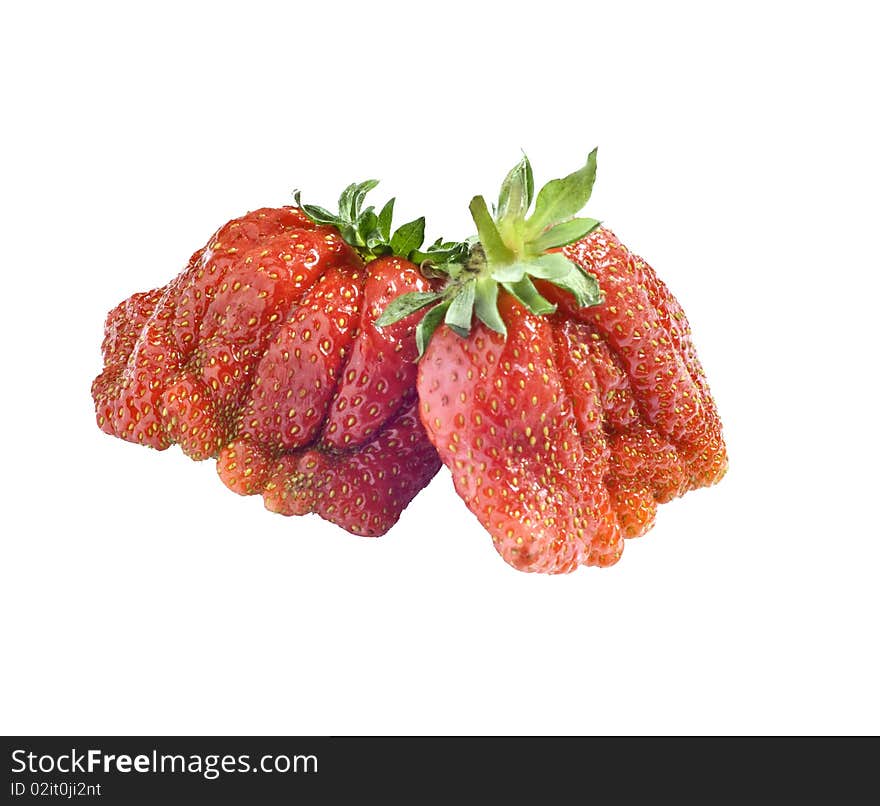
<point>559,383</point>
<point>265,354</point>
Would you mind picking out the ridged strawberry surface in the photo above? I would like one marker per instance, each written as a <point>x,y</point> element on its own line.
<point>264,354</point>
<point>542,362</point>
<point>564,436</point>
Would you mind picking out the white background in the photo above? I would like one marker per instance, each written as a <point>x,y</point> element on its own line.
<point>738,154</point>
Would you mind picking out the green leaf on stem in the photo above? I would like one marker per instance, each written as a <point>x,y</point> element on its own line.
<point>511,273</point>
<point>408,237</point>
<point>549,267</point>
<point>358,197</point>
<point>346,199</point>
<point>486,305</point>
<point>461,309</point>
<point>385,216</point>
<point>496,250</point>
<point>582,285</point>
<point>563,234</point>
<point>560,199</point>
<point>515,197</point>
<point>406,304</point>
<point>528,295</point>
<point>430,322</point>
<point>367,224</point>
<point>319,215</point>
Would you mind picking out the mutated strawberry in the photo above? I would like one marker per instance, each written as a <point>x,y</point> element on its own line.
<point>575,403</point>
<point>265,354</point>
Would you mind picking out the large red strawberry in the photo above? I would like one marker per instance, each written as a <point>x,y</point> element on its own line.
<point>575,403</point>
<point>264,353</point>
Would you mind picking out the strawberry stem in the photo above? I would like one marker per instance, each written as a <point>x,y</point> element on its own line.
<point>363,229</point>
<point>511,250</point>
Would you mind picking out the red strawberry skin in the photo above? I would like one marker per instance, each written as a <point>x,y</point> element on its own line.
<point>564,437</point>
<point>263,354</point>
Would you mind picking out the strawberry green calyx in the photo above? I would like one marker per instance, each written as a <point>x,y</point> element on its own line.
<point>510,251</point>
<point>370,232</point>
